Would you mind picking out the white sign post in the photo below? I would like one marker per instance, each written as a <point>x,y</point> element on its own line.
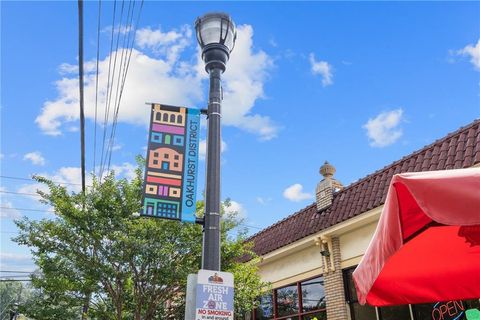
<point>214,299</point>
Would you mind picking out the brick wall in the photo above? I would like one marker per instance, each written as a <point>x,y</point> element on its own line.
<point>334,289</point>
<point>324,194</point>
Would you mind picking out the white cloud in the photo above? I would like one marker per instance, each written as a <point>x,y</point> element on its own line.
<point>322,68</point>
<point>236,208</point>
<point>169,44</point>
<point>295,193</point>
<point>244,78</point>
<point>202,148</point>
<point>68,176</point>
<point>158,73</point>
<point>8,212</point>
<point>383,130</point>
<point>16,261</point>
<point>15,256</point>
<point>71,178</point>
<point>35,157</point>
<point>472,51</point>
<point>263,201</point>
<point>149,79</point>
<point>117,147</point>
<point>125,170</point>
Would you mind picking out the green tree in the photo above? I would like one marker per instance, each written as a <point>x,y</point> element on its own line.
<point>95,258</point>
<point>12,294</point>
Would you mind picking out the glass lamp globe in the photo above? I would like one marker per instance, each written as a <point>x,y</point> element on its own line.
<point>216,35</point>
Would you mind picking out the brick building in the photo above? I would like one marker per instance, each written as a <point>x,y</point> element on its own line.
<point>309,256</point>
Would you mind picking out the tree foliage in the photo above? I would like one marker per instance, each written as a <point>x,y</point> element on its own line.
<point>95,258</point>
<point>12,293</point>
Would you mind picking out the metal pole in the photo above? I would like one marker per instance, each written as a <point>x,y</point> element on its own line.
<point>211,228</point>
<point>80,76</point>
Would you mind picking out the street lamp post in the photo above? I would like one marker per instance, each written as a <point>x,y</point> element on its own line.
<point>216,34</point>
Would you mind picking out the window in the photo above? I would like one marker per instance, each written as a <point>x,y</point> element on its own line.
<point>165,156</point>
<point>313,295</point>
<point>175,164</point>
<point>357,311</point>
<point>265,307</point>
<point>165,117</point>
<point>158,116</point>
<point>299,301</point>
<point>444,310</point>
<point>287,301</point>
<point>172,118</point>
<point>178,140</point>
<point>394,312</point>
<point>176,157</point>
<point>179,119</point>
<point>155,161</point>
<point>155,154</point>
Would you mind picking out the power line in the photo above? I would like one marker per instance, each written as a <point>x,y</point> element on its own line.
<point>27,209</point>
<point>13,271</point>
<point>105,119</point>
<point>52,211</point>
<point>30,179</point>
<point>120,76</point>
<point>129,47</point>
<point>21,193</point>
<point>96,84</point>
<point>109,92</point>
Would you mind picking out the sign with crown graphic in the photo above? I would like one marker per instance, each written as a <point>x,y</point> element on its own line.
<point>214,298</point>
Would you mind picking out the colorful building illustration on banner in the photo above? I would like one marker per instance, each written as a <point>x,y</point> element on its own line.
<point>172,160</point>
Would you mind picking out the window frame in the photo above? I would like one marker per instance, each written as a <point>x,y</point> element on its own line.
<point>301,313</point>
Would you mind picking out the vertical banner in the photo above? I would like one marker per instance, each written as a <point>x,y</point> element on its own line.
<point>170,185</point>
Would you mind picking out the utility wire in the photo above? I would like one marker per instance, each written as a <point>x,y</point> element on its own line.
<point>80,78</point>
<point>13,271</point>
<point>96,84</point>
<point>120,76</point>
<point>52,211</point>
<point>21,193</point>
<point>105,119</point>
<point>27,209</point>
<point>109,98</point>
<point>30,179</point>
<point>130,49</point>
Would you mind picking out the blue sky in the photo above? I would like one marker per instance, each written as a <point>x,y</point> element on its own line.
<point>358,84</point>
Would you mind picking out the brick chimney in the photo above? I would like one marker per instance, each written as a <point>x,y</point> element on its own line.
<point>327,187</point>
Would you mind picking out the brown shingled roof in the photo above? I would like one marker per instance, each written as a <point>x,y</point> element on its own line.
<point>460,149</point>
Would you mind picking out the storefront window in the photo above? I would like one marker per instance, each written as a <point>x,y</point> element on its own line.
<point>394,312</point>
<point>264,310</point>
<point>313,295</point>
<point>287,300</point>
<point>360,312</point>
<point>448,310</point>
<point>299,301</point>
<point>316,316</point>
<point>357,311</point>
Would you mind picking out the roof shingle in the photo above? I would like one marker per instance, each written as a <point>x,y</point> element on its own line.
<point>460,149</point>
